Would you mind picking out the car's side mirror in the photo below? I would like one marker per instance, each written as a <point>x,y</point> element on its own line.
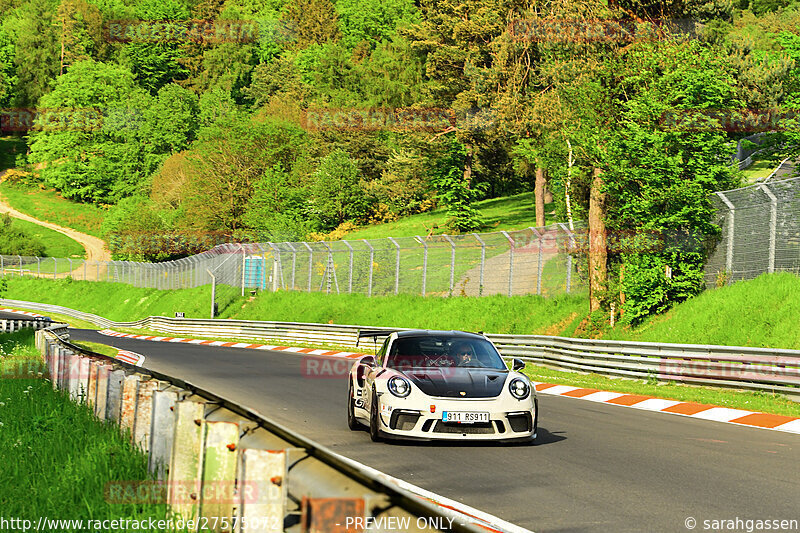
<point>517,365</point>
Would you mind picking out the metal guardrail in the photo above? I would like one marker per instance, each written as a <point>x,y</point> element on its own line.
<point>758,369</point>
<point>201,445</point>
<point>13,325</point>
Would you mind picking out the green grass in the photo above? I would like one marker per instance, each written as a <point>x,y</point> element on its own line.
<point>120,302</point>
<point>761,312</point>
<point>57,458</point>
<point>762,166</point>
<point>56,244</point>
<point>750,401</point>
<point>497,314</point>
<point>51,207</point>
<point>507,213</point>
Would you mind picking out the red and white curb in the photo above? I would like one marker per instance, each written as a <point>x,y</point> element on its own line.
<point>649,403</point>
<point>741,417</point>
<point>132,358</point>
<point>293,349</point>
<point>26,313</point>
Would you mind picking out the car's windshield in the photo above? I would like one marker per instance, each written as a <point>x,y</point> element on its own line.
<point>443,351</point>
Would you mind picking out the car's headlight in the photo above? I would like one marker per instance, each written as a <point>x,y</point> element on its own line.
<point>519,388</point>
<point>400,387</point>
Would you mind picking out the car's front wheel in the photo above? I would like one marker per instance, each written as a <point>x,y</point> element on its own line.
<point>352,422</point>
<point>374,423</point>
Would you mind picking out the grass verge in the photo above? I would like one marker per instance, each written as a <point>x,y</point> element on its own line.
<point>751,401</point>
<point>55,244</point>
<point>496,314</point>
<point>51,207</point>
<point>57,458</point>
<point>506,213</point>
<point>761,312</point>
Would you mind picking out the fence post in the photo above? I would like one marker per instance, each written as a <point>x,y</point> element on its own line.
<point>452,261</point>
<point>371,260</point>
<point>294,261</point>
<point>396,267</point>
<point>510,262</point>
<point>20,265</point>
<point>55,267</point>
<point>350,276</point>
<point>729,254</point>
<point>569,254</point>
<point>310,263</point>
<point>424,263</point>
<point>539,260</point>
<point>773,225</point>
<point>483,262</point>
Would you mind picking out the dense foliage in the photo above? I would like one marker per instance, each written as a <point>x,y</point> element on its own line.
<point>285,119</point>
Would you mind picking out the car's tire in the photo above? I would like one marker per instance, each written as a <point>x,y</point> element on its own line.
<point>535,421</point>
<point>352,422</point>
<point>374,423</point>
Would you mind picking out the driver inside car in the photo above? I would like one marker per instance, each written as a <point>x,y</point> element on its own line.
<point>464,354</point>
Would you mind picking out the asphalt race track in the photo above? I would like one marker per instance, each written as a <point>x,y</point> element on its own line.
<point>596,467</point>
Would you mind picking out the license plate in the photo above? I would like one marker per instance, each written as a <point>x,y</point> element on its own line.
<point>464,417</point>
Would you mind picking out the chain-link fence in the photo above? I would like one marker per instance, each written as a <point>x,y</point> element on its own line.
<point>531,261</point>
<point>760,232</point>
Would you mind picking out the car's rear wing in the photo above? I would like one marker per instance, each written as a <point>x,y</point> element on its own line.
<point>374,333</point>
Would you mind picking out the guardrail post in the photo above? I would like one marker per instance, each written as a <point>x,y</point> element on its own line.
<point>371,261</point>
<point>396,267</point>
<point>773,225</point>
<point>101,401</point>
<point>162,431</point>
<point>510,262</point>
<point>219,471</point>
<point>184,466</point>
<point>424,244</point>
<point>127,412</point>
<point>350,275</point>
<point>73,376</point>
<point>92,391</point>
<point>116,378</point>
<point>83,379</point>
<point>729,254</point>
<point>263,476</point>
<point>143,419</point>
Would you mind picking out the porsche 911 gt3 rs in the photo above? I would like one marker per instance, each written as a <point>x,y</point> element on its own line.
<point>428,385</point>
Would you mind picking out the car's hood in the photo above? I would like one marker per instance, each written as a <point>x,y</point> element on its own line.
<point>458,382</point>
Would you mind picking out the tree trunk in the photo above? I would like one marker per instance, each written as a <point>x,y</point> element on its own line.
<point>538,192</point>
<point>468,167</point>
<point>598,252</point>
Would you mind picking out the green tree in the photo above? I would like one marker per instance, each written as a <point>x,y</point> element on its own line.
<point>312,21</point>
<point>89,148</point>
<point>157,63</point>
<point>37,49</point>
<point>336,193</point>
<point>8,77</point>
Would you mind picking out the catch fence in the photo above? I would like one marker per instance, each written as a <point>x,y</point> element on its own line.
<point>531,261</point>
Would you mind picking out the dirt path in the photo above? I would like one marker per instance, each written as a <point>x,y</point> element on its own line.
<point>95,247</point>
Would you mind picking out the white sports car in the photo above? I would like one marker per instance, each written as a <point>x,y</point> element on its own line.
<point>440,385</point>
